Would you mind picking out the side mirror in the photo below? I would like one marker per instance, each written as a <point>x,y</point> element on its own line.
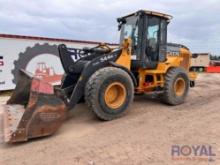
<point>121,21</point>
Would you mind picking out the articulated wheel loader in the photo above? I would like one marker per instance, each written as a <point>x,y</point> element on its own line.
<point>105,78</point>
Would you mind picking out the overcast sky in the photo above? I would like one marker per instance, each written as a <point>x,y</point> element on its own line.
<point>195,24</point>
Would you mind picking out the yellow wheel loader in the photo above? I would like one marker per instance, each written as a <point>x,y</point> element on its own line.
<point>105,78</point>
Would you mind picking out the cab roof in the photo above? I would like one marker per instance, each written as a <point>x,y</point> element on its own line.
<point>153,13</point>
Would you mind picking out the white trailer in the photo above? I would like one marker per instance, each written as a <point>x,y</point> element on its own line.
<point>38,55</point>
<point>200,62</point>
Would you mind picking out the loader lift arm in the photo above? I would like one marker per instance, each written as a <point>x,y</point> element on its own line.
<point>77,73</point>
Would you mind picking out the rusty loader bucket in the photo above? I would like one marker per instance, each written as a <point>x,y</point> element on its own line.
<point>32,111</point>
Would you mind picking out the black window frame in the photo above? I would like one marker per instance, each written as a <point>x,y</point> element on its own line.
<point>161,50</point>
<point>142,58</point>
<point>137,50</point>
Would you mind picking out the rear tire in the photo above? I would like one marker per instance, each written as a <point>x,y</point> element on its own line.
<point>109,92</point>
<point>176,86</point>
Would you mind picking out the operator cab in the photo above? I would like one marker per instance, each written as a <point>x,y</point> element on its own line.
<point>148,32</point>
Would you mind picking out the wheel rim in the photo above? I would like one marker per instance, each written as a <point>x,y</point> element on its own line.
<point>179,86</point>
<point>115,95</point>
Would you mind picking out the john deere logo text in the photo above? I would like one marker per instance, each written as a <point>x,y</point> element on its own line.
<point>193,153</point>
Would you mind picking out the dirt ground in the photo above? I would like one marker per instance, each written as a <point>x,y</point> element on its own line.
<point>144,136</point>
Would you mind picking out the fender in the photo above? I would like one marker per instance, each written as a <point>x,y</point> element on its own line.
<point>126,70</point>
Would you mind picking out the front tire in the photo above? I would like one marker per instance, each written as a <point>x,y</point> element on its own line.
<point>109,92</point>
<point>176,86</point>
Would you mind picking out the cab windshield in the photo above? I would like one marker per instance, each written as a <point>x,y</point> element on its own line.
<point>129,29</point>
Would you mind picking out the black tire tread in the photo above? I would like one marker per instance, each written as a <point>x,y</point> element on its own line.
<point>90,89</point>
<point>167,94</point>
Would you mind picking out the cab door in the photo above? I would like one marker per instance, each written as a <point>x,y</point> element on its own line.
<point>156,35</point>
<point>152,47</point>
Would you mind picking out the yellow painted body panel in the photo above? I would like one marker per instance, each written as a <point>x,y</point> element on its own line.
<point>193,76</point>
<point>157,76</point>
<point>125,57</point>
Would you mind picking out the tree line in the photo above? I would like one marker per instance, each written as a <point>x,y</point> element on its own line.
<point>215,57</point>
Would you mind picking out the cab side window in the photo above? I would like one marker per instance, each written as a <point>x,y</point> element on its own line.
<point>153,38</point>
